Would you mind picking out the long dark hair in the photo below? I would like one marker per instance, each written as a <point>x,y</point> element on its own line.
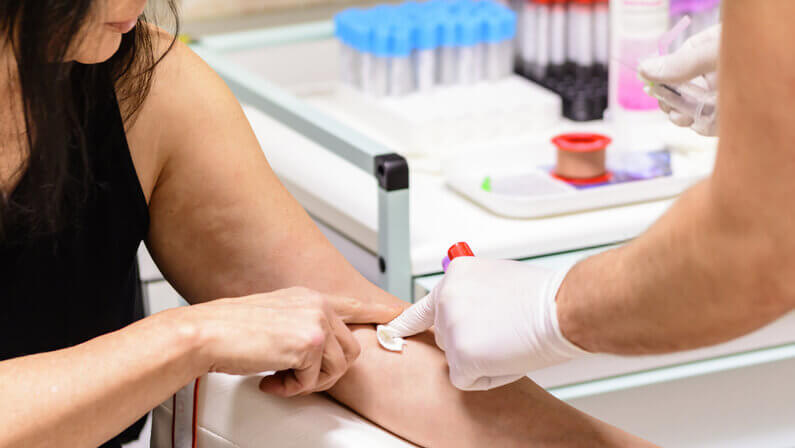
<point>56,95</point>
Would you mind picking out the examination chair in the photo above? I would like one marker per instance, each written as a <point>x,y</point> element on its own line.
<point>231,412</point>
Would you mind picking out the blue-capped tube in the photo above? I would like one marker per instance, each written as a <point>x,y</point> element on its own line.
<point>447,58</point>
<point>401,74</point>
<point>492,36</point>
<point>499,30</point>
<point>505,47</point>
<point>361,33</point>
<point>378,82</point>
<point>479,55</point>
<point>426,42</point>
<point>348,54</point>
<point>468,67</point>
<point>394,50</point>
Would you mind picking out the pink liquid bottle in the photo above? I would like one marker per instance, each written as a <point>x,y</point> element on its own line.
<point>636,27</point>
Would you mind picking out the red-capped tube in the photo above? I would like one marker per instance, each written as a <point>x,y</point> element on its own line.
<point>459,250</point>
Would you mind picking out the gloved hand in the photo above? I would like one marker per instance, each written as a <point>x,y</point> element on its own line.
<point>697,62</point>
<point>496,320</point>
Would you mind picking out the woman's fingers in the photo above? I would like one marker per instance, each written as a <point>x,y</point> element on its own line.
<point>298,381</point>
<point>323,367</point>
<point>274,384</point>
<point>348,343</point>
<point>356,311</point>
<point>334,366</point>
<point>300,332</point>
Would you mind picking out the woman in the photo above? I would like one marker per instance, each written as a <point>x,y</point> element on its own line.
<point>115,134</point>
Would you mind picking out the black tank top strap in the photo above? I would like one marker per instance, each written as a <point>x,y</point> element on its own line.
<point>62,289</point>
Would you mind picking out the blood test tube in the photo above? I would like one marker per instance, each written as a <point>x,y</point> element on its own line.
<point>459,250</point>
<point>456,250</point>
<point>542,54</point>
<point>601,33</point>
<point>582,21</point>
<point>557,38</point>
<point>528,47</point>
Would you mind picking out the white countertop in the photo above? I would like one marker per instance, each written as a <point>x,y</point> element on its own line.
<point>346,198</point>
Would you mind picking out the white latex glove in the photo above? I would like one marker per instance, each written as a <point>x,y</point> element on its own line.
<point>496,320</point>
<point>695,62</point>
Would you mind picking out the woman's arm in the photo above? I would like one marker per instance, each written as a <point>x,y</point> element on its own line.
<point>223,225</point>
<point>84,395</point>
<point>410,394</point>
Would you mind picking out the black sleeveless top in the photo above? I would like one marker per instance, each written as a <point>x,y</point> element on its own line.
<point>59,290</point>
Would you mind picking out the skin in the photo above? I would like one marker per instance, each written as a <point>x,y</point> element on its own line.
<point>719,264</point>
<point>253,280</point>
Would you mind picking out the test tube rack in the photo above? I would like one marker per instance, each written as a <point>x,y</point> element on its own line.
<point>447,120</point>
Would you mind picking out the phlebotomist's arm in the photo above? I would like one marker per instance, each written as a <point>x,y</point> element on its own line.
<point>720,263</point>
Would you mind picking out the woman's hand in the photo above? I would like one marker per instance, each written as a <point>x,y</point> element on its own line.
<point>297,332</point>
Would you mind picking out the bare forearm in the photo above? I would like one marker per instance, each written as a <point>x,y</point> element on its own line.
<point>696,278</point>
<point>83,396</point>
<point>720,263</point>
<point>410,394</point>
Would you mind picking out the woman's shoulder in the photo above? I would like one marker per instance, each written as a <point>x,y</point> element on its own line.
<point>182,91</point>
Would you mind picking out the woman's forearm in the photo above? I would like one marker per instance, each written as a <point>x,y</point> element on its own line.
<point>410,394</point>
<point>84,395</point>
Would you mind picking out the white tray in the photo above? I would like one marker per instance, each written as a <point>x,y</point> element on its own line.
<point>466,173</point>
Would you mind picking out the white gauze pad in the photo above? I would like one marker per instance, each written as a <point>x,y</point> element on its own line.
<point>389,339</point>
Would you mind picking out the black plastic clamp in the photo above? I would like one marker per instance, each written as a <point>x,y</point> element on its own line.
<point>392,172</point>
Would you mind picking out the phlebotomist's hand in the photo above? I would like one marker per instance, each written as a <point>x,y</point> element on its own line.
<point>496,320</point>
<point>298,332</point>
<point>697,62</point>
